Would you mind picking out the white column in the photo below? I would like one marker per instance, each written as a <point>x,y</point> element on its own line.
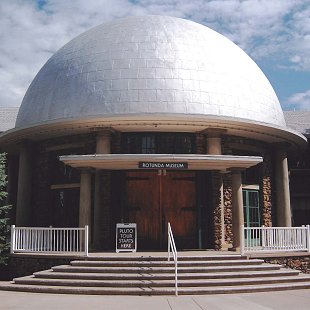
<point>283,206</point>
<point>237,206</point>
<point>214,147</point>
<point>103,146</point>
<point>85,199</point>
<point>23,204</point>
<point>224,245</point>
<point>103,142</point>
<point>214,142</point>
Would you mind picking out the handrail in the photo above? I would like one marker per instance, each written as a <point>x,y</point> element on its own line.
<point>172,247</point>
<point>49,240</point>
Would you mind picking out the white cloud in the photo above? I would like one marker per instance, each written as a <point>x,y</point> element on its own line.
<point>277,29</point>
<point>298,44</point>
<point>300,101</point>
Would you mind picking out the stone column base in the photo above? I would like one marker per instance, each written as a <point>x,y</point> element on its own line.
<point>226,246</point>
<point>238,249</point>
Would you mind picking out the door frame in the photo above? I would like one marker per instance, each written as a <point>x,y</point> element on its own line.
<point>159,178</point>
<point>249,221</point>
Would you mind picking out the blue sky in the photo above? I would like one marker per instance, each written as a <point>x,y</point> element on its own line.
<point>275,33</point>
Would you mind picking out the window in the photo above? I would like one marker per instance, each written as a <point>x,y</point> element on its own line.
<point>158,143</point>
<point>251,208</point>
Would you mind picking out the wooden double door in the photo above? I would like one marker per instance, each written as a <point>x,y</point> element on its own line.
<point>154,198</point>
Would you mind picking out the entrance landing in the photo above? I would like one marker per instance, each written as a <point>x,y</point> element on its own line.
<point>163,254</point>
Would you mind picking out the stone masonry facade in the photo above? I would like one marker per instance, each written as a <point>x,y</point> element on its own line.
<point>46,155</point>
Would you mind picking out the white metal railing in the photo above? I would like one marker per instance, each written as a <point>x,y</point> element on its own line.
<point>172,248</point>
<point>49,240</point>
<point>275,239</point>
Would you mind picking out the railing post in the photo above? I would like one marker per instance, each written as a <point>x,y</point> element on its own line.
<point>176,276</point>
<point>308,238</point>
<point>86,240</point>
<point>172,247</point>
<point>242,248</point>
<point>169,242</point>
<point>12,239</point>
<point>263,236</point>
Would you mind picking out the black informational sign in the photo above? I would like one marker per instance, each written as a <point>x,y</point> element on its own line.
<point>126,237</point>
<point>163,165</point>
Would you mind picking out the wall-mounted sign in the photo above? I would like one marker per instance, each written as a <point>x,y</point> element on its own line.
<point>126,237</point>
<point>162,165</point>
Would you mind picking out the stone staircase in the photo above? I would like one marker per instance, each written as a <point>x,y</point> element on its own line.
<point>153,275</point>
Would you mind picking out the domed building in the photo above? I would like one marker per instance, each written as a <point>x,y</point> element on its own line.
<point>151,120</point>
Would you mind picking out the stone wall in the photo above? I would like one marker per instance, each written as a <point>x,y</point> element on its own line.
<point>48,170</point>
<point>116,143</point>
<point>227,197</point>
<point>242,146</point>
<point>201,144</point>
<point>23,265</point>
<point>266,191</point>
<point>217,209</point>
<point>301,263</point>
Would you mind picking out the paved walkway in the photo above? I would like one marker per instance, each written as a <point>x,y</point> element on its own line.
<point>287,300</point>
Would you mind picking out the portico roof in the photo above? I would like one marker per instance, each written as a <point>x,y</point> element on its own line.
<point>154,161</point>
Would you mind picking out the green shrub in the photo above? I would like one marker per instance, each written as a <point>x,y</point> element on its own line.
<point>4,215</point>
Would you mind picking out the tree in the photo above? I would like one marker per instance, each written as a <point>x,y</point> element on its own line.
<point>4,212</point>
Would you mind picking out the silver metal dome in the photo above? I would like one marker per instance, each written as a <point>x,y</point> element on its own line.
<point>150,65</point>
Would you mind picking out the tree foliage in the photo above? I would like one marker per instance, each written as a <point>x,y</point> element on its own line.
<point>4,214</point>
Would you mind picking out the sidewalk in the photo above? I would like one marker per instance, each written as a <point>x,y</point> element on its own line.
<point>285,300</point>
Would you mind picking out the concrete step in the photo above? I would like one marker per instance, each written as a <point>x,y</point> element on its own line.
<point>126,275</point>
<point>154,290</point>
<point>49,274</point>
<point>165,263</point>
<point>31,280</point>
<point>181,257</point>
<point>164,269</point>
<point>245,288</point>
